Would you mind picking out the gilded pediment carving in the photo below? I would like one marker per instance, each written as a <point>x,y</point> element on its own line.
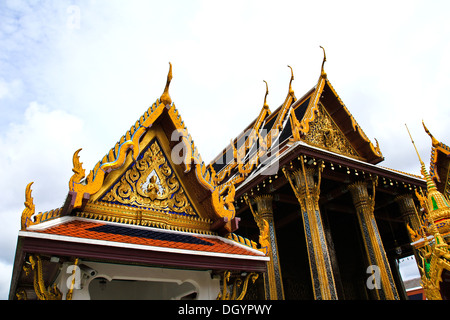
<point>324,133</point>
<point>152,183</point>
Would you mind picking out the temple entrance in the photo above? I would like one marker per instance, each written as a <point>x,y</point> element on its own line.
<point>294,264</point>
<point>346,251</point>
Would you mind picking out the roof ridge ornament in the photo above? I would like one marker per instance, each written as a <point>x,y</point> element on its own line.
<point>266,106</point>
<point>434,141</point>
<point>28,212</point>
<point>165,97</point>
<point>291,92</point>
<point>322,71</point>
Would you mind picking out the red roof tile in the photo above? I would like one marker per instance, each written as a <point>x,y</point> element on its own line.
<point>146,236</point>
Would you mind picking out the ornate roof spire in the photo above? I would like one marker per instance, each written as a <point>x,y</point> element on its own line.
<point>29,208</point>
<point>322,71</point>
<point>437,203</point>
<point>266,106</point>
<point>291,92</point>
<point>430,183</point>
<point>165,97</point>
<point>434,141</point>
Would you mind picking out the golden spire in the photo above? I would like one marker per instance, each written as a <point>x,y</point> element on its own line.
<point>266,106</point>
<point>322,72</point>
<point>291,92</point>
<point>437,203</point>
<point>165,97</point>
<point>430,183</point>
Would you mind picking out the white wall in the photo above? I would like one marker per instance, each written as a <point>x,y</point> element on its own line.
<point>94,280</point>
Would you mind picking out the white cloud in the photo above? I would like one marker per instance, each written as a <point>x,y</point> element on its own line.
<point>10,89</point>
<point>5,279</point>
<point>38,149</point>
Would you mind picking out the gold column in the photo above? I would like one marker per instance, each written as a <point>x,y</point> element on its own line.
<point>273,283</point>
<point>376,254</point>
<point>308,193</point>
<point>409,214</point>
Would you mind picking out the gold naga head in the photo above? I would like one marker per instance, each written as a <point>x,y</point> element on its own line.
<point>322,71</point>
<point>165,97</point>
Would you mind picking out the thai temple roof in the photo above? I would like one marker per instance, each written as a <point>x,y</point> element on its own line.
<point>153,193</point>
<point>72,230</point>
<point>200,195</point>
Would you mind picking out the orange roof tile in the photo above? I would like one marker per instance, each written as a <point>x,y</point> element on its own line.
<point>146,236</point>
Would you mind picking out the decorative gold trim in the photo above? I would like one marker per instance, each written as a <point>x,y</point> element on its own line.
<point>438,146</point>
<point>28,212</point>
<point>307,193</point>
<point>35,264</point>
<point>434,255</point>
<point>322,71</point>
<point>356,127</point>
<point>165,97</point>
<point>325,133</point>
<point>120,157</point>
<point>376,254</point>
<point>262,223</point>
<point>225,295</point>
<point>268,241</point>
<point>239,239</point>
<point>145,217</point>
<point>162,190</point>
<point>94,180</point>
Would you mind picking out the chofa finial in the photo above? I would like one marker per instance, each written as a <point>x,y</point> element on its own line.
<point>434,141</point>
<point>322,72</point>
<point>265,97</point>
<point>165,97</point>
<point>28,212</point>
<point>291,92</point>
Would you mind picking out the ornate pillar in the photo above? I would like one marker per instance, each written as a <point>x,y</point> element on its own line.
<point>273,284</point>
<point>376,255</point>
<point>409,215</point>
<point>307,193</point>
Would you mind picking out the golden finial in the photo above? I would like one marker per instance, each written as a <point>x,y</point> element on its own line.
<point>265,97</point>
<point>165,97</point>
<point>430,183</point>
<point>434,141</point>
<point>291,92</point>
<point>322,72</point>
<point>421,162</point>
<point>29,207</point>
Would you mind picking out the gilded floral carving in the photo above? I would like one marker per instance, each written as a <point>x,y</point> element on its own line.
<point>151,182</point>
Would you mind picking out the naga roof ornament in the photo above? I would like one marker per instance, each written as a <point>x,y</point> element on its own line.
<point>322,72</point>
<point>165,97</point>
<point>266,106</point>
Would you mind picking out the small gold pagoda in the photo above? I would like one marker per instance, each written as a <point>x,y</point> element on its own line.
<point>430,235</point>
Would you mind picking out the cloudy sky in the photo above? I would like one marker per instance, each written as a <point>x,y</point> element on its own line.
<point>77,74</point>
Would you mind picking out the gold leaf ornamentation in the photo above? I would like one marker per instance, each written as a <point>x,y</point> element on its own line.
<point>324,133</point>
<point>151,183</point>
